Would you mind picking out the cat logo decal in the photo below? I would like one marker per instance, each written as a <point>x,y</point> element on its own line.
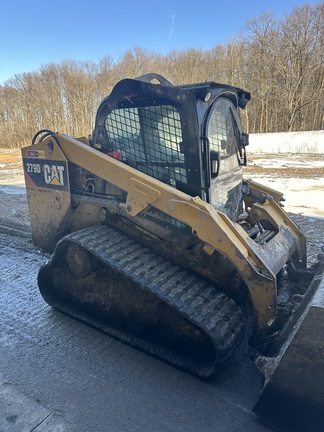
<point>54,175</point>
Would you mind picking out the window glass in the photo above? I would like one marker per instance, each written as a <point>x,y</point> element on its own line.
<point>223,135</point>
<point>221,127</point>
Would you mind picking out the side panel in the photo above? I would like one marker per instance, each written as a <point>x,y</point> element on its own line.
<point>48,191</point>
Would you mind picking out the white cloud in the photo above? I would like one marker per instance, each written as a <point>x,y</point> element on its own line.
<point>173,17</point>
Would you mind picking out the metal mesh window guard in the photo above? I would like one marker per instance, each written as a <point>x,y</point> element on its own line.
<point>149,139</point>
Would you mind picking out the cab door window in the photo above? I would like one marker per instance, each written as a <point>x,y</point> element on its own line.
<point>222,130</point>
<point>221,134</point>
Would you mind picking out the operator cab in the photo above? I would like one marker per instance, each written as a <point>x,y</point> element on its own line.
<point>189,137</point>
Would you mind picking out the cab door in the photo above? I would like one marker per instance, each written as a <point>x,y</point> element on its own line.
<point>223,132</point>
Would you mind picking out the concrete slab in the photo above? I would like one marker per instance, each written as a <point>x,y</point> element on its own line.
<point>19,413</point>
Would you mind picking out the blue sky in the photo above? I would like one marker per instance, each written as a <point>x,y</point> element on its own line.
<point>38,32</point>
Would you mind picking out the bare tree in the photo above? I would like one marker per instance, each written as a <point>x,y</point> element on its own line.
<point>187,66</point>
<point>257,43</point>
<point>134,62</point>
<point>299,67</point>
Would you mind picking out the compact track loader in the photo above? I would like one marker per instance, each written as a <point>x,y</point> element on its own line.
<point>159,240</point>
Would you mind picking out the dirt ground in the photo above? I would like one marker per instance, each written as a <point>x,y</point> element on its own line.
<point>13,202</point>
<point>11,171</point>
<point>286,166</point>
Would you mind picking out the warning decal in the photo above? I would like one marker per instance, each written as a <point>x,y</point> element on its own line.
<point>36,154</point>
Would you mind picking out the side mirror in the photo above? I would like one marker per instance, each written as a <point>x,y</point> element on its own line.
<point>214,163</point>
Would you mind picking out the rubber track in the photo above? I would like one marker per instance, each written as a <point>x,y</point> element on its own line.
<point>195,299</point>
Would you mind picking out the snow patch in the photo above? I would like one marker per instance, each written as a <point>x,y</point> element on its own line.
<point>13,190</point>
<point>287,142</point>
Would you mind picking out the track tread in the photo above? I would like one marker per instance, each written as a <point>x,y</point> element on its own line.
<point>195,299</point>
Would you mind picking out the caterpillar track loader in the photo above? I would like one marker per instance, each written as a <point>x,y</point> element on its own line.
<point>158,239</point>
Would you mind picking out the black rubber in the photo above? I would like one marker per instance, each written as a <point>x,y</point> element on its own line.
<point>189,300</point>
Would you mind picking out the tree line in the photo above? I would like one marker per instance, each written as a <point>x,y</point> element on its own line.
<point>279,61</point>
